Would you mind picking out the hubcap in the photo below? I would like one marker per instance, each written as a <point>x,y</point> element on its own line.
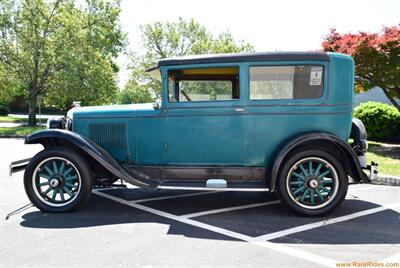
<point>56,181</point>
<point>312,183</point>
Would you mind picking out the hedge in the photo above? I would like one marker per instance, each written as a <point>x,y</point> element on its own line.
<point>381,120</point>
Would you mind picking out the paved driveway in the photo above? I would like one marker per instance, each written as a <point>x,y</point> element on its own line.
<point>136,227</point>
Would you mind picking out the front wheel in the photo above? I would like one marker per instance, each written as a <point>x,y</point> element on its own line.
<point>58,180</point>
<point>312,182</point>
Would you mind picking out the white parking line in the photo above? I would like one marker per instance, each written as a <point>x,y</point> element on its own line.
<point>318,224</point>
<point>392,259</point>
<point>269,245</point>
<point>214,211</point>
<point>173,196</point>
<point>158,197</point>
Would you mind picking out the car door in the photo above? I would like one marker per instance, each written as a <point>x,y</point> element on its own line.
<point>204,116</point>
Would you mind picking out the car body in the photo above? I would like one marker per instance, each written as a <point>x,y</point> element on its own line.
<point>234,122</point>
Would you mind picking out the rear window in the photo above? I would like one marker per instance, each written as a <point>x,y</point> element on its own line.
<point>286,82</point>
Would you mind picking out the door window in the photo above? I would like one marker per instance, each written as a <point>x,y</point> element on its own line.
<point>206,84</point>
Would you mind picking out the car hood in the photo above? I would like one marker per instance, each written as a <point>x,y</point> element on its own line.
<point>116,111</point>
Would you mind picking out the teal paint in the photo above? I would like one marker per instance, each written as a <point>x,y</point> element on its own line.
<point>215,133</point>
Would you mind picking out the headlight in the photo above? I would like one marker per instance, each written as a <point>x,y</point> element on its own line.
<point>55,123</point>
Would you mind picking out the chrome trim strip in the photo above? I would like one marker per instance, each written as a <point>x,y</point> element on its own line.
<point>188,188</point>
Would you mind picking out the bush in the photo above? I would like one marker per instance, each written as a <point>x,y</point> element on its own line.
<point>381,120</point>
<point>4,110</point>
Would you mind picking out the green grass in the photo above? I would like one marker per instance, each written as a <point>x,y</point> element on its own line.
<point>386,155</point>
<point>18,131</point>
<point>11,119</point>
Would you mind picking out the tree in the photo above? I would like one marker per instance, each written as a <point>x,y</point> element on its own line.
<point>57,49</point>
<point>134,93</point>
<point>376,56</point>
<point>173,39</point>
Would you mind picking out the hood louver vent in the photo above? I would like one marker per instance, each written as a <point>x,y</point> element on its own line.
<point>110,136</point>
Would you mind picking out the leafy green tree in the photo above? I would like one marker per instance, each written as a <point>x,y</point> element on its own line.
<point>56,49</point>
<point>134,93</point>
<point>174,39</point>
<point>376,57</point>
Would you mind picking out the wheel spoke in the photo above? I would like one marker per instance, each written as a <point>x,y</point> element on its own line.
<point>319,195</point>
<point>296,183</point>
<point>323,174</point>
<point>70,185</point>
<point>55,167</point>
<point>312,196</point>
<point>44,176</point>
<point>62,167</point>
<point>298,190</point>
<point>48,170</point>
<point>325,189</point>
<point>71,178</point>
<point>304,195</point>
<point>53,197</point>
<point>61,192</point>
<point>68,191</point>
<point>298,175</point>
<point>303,170</point>
<point>318,168</point>
<point>310,170</point>
<point>44,183</point>
<point>47,191</point>
<point>67,171</point>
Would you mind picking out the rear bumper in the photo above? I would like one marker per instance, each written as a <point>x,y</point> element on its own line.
<point>18,165</point>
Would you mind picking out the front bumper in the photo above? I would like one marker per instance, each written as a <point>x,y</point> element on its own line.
<point>18,165</point>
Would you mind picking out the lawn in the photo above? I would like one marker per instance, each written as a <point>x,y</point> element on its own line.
<point>18,131</point>
<point>11,119</point>
<point>386,155</point>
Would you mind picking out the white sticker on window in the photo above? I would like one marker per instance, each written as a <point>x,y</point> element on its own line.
<point>316,76</point>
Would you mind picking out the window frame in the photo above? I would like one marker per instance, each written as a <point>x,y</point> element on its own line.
<point>312,101</point>
<point>209,103</point>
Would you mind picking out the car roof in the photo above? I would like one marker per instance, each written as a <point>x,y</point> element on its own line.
<point>243,57</point>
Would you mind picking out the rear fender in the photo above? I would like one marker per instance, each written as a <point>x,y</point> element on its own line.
<point>351,162</point>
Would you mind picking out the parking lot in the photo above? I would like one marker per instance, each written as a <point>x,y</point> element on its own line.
<point>137,227</point>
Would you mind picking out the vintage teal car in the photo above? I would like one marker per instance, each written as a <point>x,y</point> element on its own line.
<point>273,122</point>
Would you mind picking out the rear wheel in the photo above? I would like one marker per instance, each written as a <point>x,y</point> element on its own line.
<point>312,182</point>
<point>57,180</point>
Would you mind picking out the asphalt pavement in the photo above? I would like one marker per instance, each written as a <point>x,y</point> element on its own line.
<point>129,227</point>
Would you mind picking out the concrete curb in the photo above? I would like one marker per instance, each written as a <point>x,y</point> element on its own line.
<point>383,179</point>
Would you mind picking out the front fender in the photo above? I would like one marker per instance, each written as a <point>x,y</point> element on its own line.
<point>55,137</point>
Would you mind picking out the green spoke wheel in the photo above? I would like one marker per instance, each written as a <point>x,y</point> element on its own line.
<point>57,181</point>
<point>315,186</point>
<point>312,182</point>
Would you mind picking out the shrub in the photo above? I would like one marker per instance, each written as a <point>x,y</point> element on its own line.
<point>4,110</point>
<point>381,120</point>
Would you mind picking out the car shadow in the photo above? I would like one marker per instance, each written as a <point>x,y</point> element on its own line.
<point>377,228</point>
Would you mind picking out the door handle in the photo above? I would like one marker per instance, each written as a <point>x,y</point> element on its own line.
<point>240,109</point>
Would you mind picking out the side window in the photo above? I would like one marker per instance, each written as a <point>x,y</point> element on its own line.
<point>286,82</point>
<point>206,84</point>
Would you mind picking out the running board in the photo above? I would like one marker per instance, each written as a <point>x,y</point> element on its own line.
<point>188,188</point>
<point>214,185</point>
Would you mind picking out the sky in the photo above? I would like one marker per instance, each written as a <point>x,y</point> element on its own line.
<point>280,25</point>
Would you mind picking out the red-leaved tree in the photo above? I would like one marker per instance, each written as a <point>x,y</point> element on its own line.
<point>376,56</point>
